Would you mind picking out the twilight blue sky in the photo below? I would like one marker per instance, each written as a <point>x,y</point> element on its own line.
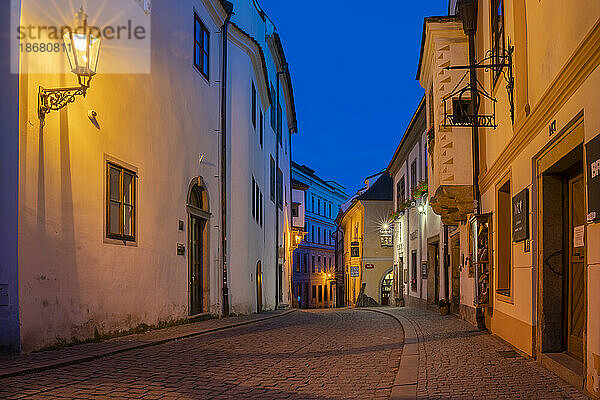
<point>353,65</point>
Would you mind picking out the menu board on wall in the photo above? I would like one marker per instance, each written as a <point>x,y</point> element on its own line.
<point>593,178</point>
<point>354,249</point>
<point>520,217</point>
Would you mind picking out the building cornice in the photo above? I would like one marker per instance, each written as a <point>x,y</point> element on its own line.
<point>276,48</point>
<point>444,23</point>
<point>580,66</point>
<point>255,51</point>
<point>216,10</point>
<point>298,169</point>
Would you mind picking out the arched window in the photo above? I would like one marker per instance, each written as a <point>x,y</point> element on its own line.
<point>197,198</point>
<point>198,201</point>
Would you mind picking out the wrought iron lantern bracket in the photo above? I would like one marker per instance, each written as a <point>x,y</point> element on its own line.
<point>82,44</point>
<point>500,64</point>
<point>55,99</point>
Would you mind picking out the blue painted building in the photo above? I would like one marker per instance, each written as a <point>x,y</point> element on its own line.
<point>314,259</point>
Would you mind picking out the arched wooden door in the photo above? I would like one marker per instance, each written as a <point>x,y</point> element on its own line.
<point>259,294</point>
<point>197,206</point>
<point>386,288</point>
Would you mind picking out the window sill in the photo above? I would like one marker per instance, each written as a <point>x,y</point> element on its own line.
<point>206,78</point>
<point>121,242</point>
<point>504,296</point>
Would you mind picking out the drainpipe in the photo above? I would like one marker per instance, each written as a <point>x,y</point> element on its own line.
<point>469,11</point>
<point>229,9</point>
<point>408,252</point>
<point>446,265</point>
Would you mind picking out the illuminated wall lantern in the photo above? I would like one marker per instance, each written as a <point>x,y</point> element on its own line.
<point>82,45</point>
<point>422,205</point>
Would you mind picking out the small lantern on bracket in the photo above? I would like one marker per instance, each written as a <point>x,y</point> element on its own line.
<point>82,45</point>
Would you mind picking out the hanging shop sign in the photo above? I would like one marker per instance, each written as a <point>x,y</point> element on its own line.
<point>593,179</point>
<point>354,272</point>
<point>520,217</point>
<point>354,249</point>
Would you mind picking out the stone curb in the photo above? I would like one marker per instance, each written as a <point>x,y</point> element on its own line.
<point>94,355</point>
<point>405,384</point>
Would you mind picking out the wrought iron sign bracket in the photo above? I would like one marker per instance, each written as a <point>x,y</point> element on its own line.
<point>55,99</point>
<point>505,67</point>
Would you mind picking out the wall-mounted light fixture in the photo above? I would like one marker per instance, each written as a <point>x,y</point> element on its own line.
<point>82,45</point>
<point>422,204</point>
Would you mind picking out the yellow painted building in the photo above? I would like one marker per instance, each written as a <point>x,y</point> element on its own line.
<point>367,254</point>
<point>531,262</point>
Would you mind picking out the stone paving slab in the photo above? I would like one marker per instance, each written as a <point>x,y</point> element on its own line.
<point>456,361</point>
<point>35,362</point>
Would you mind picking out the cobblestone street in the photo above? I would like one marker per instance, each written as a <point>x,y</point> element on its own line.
<point>328,354</point>
<point>303,355</point>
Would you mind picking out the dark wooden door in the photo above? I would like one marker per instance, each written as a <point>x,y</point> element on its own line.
<point>196,254</point>
<point>576,313</point>
<point>455,303</point>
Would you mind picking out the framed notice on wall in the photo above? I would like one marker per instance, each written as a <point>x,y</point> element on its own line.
<point>354,249</point>
<point>593,178</point>
<point>520,216</point>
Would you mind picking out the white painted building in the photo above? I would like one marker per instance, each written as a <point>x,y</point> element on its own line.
<point>114,218</point>
<point>419,274</point>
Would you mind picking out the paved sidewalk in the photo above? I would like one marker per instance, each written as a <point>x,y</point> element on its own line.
<point>454,360</point>
<point>35,362</point>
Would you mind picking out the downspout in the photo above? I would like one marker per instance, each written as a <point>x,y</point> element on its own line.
<point>291,260</point>
<point>278,273</point>
<point>229,9</point>
<point>277,194</point>
<point>446,265</point>
<point>408,250</point>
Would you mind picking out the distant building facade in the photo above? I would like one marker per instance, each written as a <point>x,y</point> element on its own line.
<point>313,261</point>
<point>366,235</point>
<point>420,274</point>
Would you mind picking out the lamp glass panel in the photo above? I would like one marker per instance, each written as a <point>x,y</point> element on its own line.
<point>94,53</point>
<point>81,56</point>
<point>69,50</point>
